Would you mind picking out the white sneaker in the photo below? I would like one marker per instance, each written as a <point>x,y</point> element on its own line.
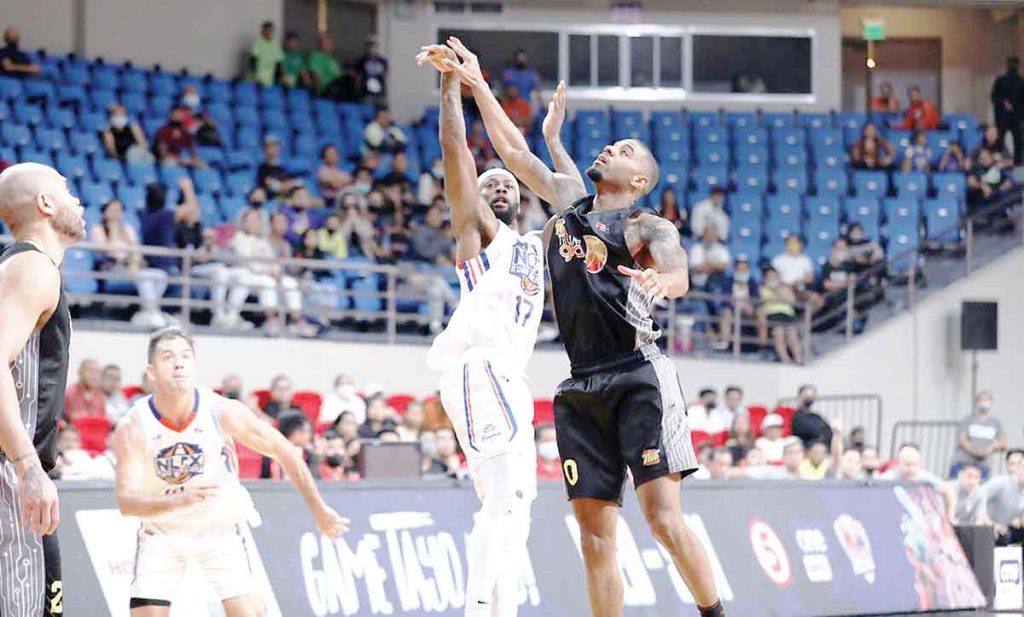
<point>273,327</point>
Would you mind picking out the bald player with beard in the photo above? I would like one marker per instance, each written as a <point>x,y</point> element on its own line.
<point>483,353</point>
<point>45,219</point>
<point>623,406</point>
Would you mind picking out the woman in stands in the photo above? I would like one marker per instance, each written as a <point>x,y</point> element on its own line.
<point>126,264</point>
<point>124,140</point>
<point>871,151</point>
<point>670,211</point>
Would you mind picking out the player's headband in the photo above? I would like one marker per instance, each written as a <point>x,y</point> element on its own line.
<point>504,173</point>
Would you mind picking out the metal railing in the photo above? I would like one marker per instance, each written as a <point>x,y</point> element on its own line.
<point>864,410</point>
<point>937,440</point>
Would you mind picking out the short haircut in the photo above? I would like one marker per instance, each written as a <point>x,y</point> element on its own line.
<point>266,24</point>
<point>278,378</point>
<point>736,389</point>
<point>292,423</point>
<point>653,169</point>
<point>704,391</point>
<point>111,367</point>
<point>968,465</point>
<point>1013,451</point>
<point>166,334</point>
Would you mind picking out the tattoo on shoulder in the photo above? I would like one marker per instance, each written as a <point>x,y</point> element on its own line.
<point>655,229</point>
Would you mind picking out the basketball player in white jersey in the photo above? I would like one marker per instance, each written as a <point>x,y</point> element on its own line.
<point>483,354</point>
<point>177,472</point>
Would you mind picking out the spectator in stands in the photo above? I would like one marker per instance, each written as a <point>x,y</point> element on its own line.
<point>354,222</point>
<point>333,461</point>
<point>282,397</point>
<point>777,316</point>
<point>446,461</point>
<point>317,284</point>
<point>742,292</point>
<point>771,442</point>
<point>480,146</point>
<point>953,159</point>
<point>980,436</point>
<point>808,424</point>
<point>372,70</point>
<point>921,114</point>
<point>294,64</point>
<point>160,225</point>
<point>549,464</point>
<point>816,465</point>
<point>381,136</point>
<point>389,435</point>
<point>909,469</point>
<point>115,403</point>
<point>325,69</point>
<point>850,467</point>
<point>885,102</point>
<point>741,436</point>
<point>347,426</point>
<point>146,387</point>
<point>986,181</point>
<point>342,399</point>
<point>298,430</point>
<point>399,174</point>
<point>1014,457</point>
<point>721,464</point>
<point>734,402</point>
<point>836,276</point>
<point>796,270</point>
<point>1003,506</point>
<point>330,178</point>
<point>86,397</point>
<point>918,156</point>
<point>283,248</point>
<point>14,61</point>
<point>430,184</point>
<point>870,461</point>
<point>231,387</point>
<point>411,425</point>
<point>792,458</point>
<point>196,120</point>
<point>174,144</point>
<point>255,254</point>
<point>991,143</point>
<point>864,253</point>
<point>710,212</point>
<point>871,151</point>
<point>271,176</point>
<point>1008,107</point>
<point>208,264</point>
<point>124,140</point>
<point>968,498</point>
<point>266,56</point>
<point>431,241</point>
<point>77,464</point>
<point>709,261</point>
<point>126,264</point>
<point>521,75</point>
<point>669,208</point>
<point>857,439</point>
<point>707,415</point>
<point>517,108</point>
<point>378,418</point>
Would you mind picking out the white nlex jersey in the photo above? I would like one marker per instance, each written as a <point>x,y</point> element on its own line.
<point>197,452</point>
<point>500,305</point>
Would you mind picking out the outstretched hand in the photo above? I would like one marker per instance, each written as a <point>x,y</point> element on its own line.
<point>652,282</point>
<point>556,113</point>
<point>435,55</point>
<point>469,70</point>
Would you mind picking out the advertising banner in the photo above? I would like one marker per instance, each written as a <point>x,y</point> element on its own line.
<point>777,549</point>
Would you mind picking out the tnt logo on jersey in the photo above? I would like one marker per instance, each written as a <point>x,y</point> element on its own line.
<point>178,463</point>
<point>569,247</point>
<point>526,265</point>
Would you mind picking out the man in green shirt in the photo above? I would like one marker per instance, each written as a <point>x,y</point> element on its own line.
<point>265,56</point>
<point>294,71</point>
<point>325,68</point>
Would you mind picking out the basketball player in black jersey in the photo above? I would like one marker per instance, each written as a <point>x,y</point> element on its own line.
<point>623,406</point>
<point>35,329</point>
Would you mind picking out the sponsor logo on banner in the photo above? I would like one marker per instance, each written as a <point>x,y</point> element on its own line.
<point>425,573</point>
<point>1009,572</point>
<point>853,537</point>
<point>815,548</point>
<point>1009,592</point>
<point>770,552</point>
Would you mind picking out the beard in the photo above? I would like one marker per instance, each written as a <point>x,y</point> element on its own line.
<point>507,215</point>
<point>69,224</point>
<point>594,174</point>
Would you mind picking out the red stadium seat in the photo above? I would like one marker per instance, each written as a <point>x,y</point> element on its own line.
<point>400,402</point>
<point>757,414</point>
<point>93,431</point>
<point>130,391</point>
<point>309,402</point>
<point>787,414</point>
<point>262,398</point>
<point>249,462</point>
<point>699,437</point>
<point>543,411</point>
<point>719,438</point>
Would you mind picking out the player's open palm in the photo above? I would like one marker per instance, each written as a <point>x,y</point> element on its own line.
<point>435,55</point>
<point>329,522</point>
<point>469,70</point>
<point>556,114</point>
<point>40,507</point>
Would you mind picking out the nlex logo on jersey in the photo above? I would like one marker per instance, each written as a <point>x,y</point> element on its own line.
<point>570,247</point>
<point>526,265</point>
<point>178,463</point>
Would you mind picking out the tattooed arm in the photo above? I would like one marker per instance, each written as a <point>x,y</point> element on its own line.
<point>557,189</point>
<point>669,277</point>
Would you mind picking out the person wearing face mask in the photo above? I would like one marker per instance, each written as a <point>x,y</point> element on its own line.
<point>331,178</point>
<point>124,140</point>
<point>333,461</point>
<point>14,61</point>
<point>174,144</point>
<point>980,435</point>
<point>549,464</point>
<point>738,293</point>
<point>343,399</point>
<point>521,75</point>
<point>808,425</point>
<point>197,121</point>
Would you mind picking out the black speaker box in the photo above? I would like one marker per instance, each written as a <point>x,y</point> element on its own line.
<point>979,329</point>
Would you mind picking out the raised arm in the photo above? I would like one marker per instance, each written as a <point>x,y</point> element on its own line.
<point>469,217</point>
<point>239,422</point>
<point>557,189</point>
<point>669,277</point>
<point>552,129</point>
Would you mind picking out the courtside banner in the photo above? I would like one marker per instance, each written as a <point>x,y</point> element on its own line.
<point>777,549</point>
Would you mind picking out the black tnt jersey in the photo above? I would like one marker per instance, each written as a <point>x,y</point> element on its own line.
<point>40,373</point>
<point>604,318</point>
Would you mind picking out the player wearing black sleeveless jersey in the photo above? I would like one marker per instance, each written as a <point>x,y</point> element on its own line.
<point>35,329</point>
<point>623,406</point>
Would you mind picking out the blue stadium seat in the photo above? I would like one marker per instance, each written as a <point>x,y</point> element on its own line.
<point>790,156</point>
<point>751,178</point>
<point>152,125</point>
<point>328,123</point>
<point>674,152</point>
<point>661,120</point>
<point>703,118</point>
<point>141,175</point>
<point>171,174</point>
<point>788,137</point>
<point>221,114</point>
<point>84,142</point>
<point>163,84</point>
<point>102,99</point>
<point>751,136</point>
<point>898,210</point>
<point>10,88</point>
<point>230,206</point>
<point>57,117</point>
<point>37,89</point>
<point>134,80</point>
<point>218,91</point>
<point>160,106</point>
<point>791,179</point>
<point>591,117</point>
<point>134,103</point>
<point>35,155</point>
<point>75,74</point>
<point>963,124</point>
<point>745,205</point>
<point>95,194</point>
<point>248,138</point>
<point>77,266</point>
<point>823,208</point>
<point>942,219</point>
<point>776,236</point>
<point>867,212</point>
<point>745,239</point>
<point>712,134</point>
<point>50,139</point>
<point>72,166</point>
<point>107,170</point>
<point>740,120</point>
<point>75,95</point>
<point>29,114</point>
<point>247,116</point>
<point>211,155</point>
<point>870,184</point>
<point>815,121</point>
<point>833,181</point>
<point>912,184</point>
<point>707,176</point>
<point>826,138</point>
<point>93,121</point>
<point>207,180</point>
<point>274,121</point>
<point>132,197</point>
<point>13,134</point>
<point>712,153</point>
<point>240,183</point>
<point>306,146</point>
<point>105,77</point>
<point>6,114</point>
<point>784,207</point>
<point>675,174</point>
<point>272,97</point>
<point>901,140</point>
<point>756,156</point>
<point>299,100</point>
<point>301,121</point>
<point>939,141</point>
<point>241,159</point>
<point>851,120</point>
<point>209,211</point>
<point>778,120</point>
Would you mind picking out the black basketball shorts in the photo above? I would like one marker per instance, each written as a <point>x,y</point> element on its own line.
<point>632,417</point>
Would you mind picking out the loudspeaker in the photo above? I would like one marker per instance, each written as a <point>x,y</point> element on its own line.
<point>979,326</point>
